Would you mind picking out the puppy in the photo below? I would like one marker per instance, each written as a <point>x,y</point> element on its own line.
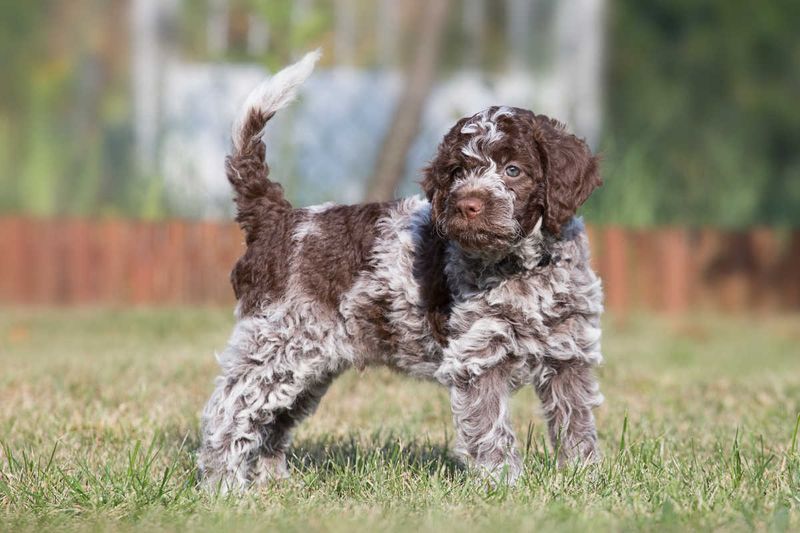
<point>484,286</point>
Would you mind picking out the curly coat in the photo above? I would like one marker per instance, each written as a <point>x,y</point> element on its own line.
<point>484,287</point>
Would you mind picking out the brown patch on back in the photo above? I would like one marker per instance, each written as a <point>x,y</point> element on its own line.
<point>333,255</point>
<point>261,274</point>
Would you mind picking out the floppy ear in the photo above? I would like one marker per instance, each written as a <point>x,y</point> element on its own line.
<point>436,177</point>
<point>428,182</point>
<point>431,187</point>
<point>571,172</point>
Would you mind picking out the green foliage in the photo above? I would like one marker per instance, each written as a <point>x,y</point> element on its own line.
<point>704,95</point>
<point>288,33</point>
<point>65,115</point>
<point>19,45</point>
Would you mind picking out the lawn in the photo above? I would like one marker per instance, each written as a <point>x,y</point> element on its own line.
<point>99,415</point>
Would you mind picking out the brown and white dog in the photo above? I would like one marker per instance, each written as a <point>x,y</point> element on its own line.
<point>485,286</point>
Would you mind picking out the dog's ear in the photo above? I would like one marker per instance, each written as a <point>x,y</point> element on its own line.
<point>571,172</point>
<point>428,182</point>
<point>434,185</point>
<point>436,176</point>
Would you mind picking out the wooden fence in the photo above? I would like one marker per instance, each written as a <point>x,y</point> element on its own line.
<point>122,262</point>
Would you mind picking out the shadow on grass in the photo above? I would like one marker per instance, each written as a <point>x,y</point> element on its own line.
<point>328,456</point>
<point>334,456</point>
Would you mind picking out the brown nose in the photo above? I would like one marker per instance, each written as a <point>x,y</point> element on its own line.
<point>469,207</point>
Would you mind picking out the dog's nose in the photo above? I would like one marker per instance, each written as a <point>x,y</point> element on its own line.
<point>469,207</point>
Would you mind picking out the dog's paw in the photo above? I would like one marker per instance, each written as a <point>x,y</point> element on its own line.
<point>269,469</point>
<point>221,485</point>
<point>498,475</point>
<point>582,454</point>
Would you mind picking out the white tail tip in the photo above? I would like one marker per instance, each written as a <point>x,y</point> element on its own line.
<point>274,93</point>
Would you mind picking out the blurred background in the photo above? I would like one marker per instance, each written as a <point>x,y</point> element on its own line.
<point>115,120</point>
<point>117,239</point>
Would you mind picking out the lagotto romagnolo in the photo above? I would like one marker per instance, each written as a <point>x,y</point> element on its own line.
<point>483,286</point>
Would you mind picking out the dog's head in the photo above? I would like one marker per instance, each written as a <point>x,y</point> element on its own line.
<point>499,172</point>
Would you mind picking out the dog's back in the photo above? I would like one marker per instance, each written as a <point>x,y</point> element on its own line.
<point>313,253</point>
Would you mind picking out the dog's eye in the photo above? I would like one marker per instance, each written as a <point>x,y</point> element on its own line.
<point>512,171</point>
<point>457,172</point>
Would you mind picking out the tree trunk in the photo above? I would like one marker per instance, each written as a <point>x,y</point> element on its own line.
<point>408,114</point>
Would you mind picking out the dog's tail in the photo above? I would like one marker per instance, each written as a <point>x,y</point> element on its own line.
<point>257,198</point>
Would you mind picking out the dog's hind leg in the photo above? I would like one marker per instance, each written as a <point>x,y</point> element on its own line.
<point>247,423</point>
<point>274,372</point>
<point>276,436</point>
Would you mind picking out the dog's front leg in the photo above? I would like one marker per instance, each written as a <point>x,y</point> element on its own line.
<point>483,428</point>
<point>477,367</point>
<point>569,391</point>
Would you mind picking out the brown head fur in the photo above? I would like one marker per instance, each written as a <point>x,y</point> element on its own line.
<point>555,173</point>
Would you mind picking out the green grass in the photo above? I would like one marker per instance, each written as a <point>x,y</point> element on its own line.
<point>99,413</point>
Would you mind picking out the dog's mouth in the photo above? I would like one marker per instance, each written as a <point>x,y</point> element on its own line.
<point>477,236</point>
